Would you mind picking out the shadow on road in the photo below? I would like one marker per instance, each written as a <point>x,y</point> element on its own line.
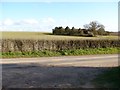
<point>39,76</point>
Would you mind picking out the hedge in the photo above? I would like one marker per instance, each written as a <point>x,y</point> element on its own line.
<point>10,45</point>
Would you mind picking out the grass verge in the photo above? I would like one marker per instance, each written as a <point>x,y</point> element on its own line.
<point>47,53</point>
<point>109,79</point>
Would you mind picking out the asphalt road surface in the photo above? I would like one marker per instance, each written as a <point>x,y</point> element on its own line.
<point>52,72</point>
<point>88,60</point>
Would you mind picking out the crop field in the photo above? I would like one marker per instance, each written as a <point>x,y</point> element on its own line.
<point>47,36</point>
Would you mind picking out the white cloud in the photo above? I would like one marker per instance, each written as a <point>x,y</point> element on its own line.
<point>8,22</point>
<point>31,24</point>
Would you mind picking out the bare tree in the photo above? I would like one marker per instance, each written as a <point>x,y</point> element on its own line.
<point>94,26</point>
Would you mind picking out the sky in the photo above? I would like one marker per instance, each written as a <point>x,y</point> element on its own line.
<point>44,16</point>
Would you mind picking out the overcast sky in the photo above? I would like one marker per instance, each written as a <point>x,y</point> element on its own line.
<point>44,16</point>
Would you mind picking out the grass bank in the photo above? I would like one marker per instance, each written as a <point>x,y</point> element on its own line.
<point>109,79</point>
<point>46,53</point>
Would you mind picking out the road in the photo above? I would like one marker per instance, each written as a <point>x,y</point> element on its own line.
<point>52,72</point>
<point>110,60</point>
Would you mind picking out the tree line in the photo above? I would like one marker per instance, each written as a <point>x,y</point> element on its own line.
<point>92,29</point>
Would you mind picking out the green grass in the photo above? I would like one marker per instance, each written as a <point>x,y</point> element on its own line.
<point>47,36</point>
<point>47,53</point>
<point>109,79</point>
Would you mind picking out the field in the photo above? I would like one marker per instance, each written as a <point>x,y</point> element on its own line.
<point>47,36</point>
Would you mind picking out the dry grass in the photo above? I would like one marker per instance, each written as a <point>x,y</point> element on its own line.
<point>47,36</point>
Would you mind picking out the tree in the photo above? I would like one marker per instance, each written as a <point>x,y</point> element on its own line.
<point>73,28</point>
<point>67,30</point>
<point>55,31</point>
<point>81,32</point>
<point>72,31</point>
<point>94,26</point>
<point>61,30</point>
<point>101,31</point>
